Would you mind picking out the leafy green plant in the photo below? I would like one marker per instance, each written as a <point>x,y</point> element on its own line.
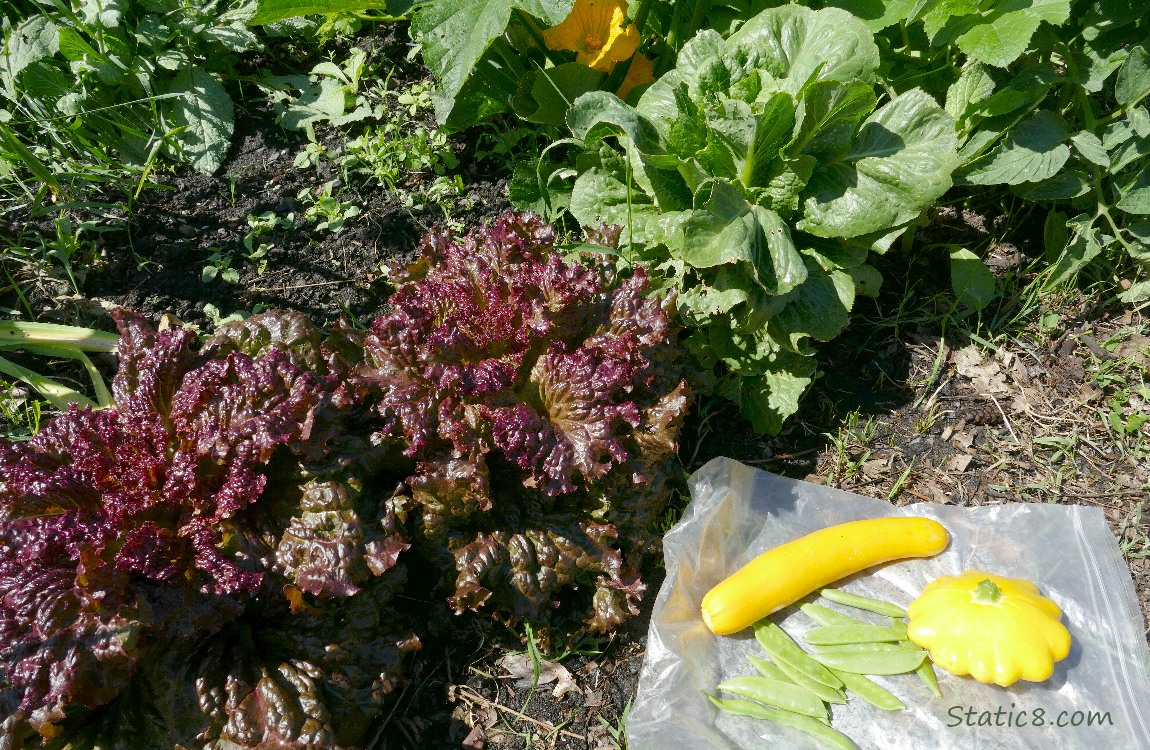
<point>219,266</point>
<point>329,94</point>
<point>401,152</point>
<point>326,208</point>
<point>126,74</point>
<point>755,178</point>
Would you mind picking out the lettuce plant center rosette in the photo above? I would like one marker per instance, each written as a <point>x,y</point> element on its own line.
<point>541,401</point>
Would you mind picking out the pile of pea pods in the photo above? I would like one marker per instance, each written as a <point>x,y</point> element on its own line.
<point>795,687</point>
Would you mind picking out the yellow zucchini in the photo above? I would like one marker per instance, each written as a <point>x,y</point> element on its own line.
<point>785,574</point>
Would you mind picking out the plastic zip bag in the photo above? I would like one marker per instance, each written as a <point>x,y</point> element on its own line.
<point>1098,697</point>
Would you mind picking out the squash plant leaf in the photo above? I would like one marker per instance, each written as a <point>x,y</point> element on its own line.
<point>996,32</point>
<point>456,33</point>
<point>1034,150</point>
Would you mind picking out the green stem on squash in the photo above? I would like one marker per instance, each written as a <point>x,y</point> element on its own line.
<point>987,592</point>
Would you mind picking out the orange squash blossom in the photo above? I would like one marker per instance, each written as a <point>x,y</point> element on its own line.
<point>597,30</point>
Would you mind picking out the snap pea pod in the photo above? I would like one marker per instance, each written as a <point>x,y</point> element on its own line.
<point>837,635</point>
<point>832,738</point>
<point>895,661</point>
<point>838,596</point>
<point>781,694</point>
<point>926,673</point>
<point>854,648</point>
<point>829,694</point>
<point>900,627</point>
<point>782,649</point>
<point>869,691</point>
<point>827,616</point>
<point>767,669</point>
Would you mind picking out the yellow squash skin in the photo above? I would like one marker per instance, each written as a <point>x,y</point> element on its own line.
<point>997,637</point>
<point>785,574</point>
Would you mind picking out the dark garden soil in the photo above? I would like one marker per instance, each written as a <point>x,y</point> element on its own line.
<point>938,420</point>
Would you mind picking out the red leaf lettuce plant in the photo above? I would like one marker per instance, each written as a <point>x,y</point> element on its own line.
<point>212,562</point>
<point>148,600</point>
<point>541,401</point>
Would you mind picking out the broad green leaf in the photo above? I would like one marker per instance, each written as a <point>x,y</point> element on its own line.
<point>271,11</point>
<point>101,13</point>
<point>867,279</point>
<point>1024,92</point>
<point>319,101</point>
<point>205,111</point>
<point>1139,292</point>
<point>235,37</point>
<point>33,40</point>
<point>877,14</point>
<point>1034,150</point>
<point>1133,78</point>
<point>731,230</point>
<point>599,114</point>
<point>819,308</point>
<point>900,163</point>
<point>1063,186</point>
<point>705,301</point>
<point>730,140</point>
<point>1136,196</point>
<point>1139,118</point>
<point>971,280</point>
<point>599,197</point>
<point>996,32</point>
<point>1086,243</point>
<point>553,90</point>
<point>687,134</point>
<point>455,34</point>
<point>785,181</point>
<point>793,43</point>
<point>774,127</point>
<point>1128,152</point>
<point>1090,147</point>
<point>973,87</point>
<point>768,399</point>
<point>828,118</point>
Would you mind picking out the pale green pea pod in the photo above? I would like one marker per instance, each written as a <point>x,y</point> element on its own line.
<point>867,648</point>
<point>926,673</point>
<point>837,635</point>
<point>832,738</point>
<point>895,661</point>
<point>838,596</point>
<point>869,691</point>
<point>767,669</point>
<point>785,695</point>
<point>900,627</point>
<point>782,649</point>
<point>797,676</point>
<point>827,616</point>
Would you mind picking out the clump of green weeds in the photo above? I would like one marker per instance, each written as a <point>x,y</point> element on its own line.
<point>402,153</point>
<point>849,448</point>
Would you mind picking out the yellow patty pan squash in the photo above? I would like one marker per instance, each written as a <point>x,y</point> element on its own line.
<point>993,628</point>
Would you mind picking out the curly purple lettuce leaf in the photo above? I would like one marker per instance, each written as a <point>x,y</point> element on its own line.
<point>525,386</point>
<point>145,530</point>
